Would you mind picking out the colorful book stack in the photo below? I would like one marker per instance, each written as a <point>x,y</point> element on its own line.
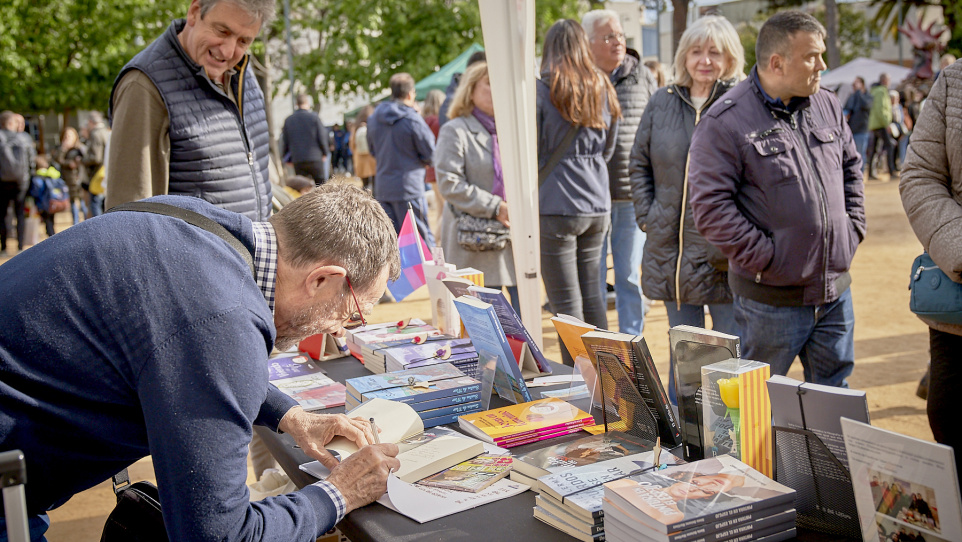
<point>472,475</point>
<point>439,393</point>
<point>588,450</point>
<point>301,378</point>
<point>458,352</point>
<point>359,340</point>
<point>519,424</point>
<point>712,500</point>
<point>571,500</point>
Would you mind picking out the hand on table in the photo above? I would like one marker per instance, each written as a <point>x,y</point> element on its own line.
<point>362,477</point>
<point>312,431</point>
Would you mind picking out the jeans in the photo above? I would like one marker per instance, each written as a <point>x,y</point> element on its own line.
<point>10,192</point>
<point>570,256</point>
<point>888,147</point>
<point>822,336</point>
<point>96,205</point>
<point>37,525</point>
<point>944,382</point>
<point>627,246</point>
<point>861,143</point>
<point>722,320</point>
<point>397,210</point>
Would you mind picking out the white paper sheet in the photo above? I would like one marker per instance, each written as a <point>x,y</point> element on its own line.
<point>423,504</point>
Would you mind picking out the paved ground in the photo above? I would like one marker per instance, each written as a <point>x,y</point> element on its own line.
<point>891,346</point>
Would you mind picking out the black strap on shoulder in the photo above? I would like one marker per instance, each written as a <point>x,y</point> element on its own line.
<point>559,152</point>
<point>192,218</point>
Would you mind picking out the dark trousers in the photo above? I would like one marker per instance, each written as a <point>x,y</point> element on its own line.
<point>10,192</point>
<point>570,256</point>
<point>48,222</point>
<point>397,210</point>
<point>312,170</point>
<point>883,137</point>
<point>945,381</point>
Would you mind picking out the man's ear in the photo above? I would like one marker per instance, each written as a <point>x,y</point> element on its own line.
<point>193,12</point>
<point>776,64</point>
<point>323,278</point>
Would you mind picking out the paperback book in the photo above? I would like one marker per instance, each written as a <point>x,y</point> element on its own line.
<point>527,422</point>
<point>472,475</point>
<point>737,412</point>
<point>636,359</point>
<point>580,452</point>
<point>905,488</point>
<point>692,348</point>
<point>421,377</point>
<point>514,329</point>
<point>695,494</point>
<point>289,366</point>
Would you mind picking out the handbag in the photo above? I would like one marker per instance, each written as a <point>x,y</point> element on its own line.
<point>896,130</point>
<point>478,234</point>
<point>137,516</point>
<point>934,296</point>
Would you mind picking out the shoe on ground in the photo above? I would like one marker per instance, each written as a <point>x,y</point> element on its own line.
<point>923,390</point>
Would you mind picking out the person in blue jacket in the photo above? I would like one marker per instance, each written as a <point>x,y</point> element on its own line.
<point>157,342</point>
<point>403,145</point>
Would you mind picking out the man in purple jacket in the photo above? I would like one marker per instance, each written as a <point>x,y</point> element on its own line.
<point>776,184</point>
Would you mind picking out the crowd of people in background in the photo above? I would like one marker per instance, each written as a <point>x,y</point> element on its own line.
<point>737,197</point>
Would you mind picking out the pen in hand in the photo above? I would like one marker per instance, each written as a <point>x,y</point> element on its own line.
<point>377,439</point>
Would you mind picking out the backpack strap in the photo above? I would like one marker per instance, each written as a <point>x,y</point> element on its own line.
<point>194,219</point>
<point>558,154</point>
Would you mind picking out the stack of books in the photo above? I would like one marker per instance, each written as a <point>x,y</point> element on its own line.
<point>472,475</point>
<point>300,377</point>
<point>402,355</point>
<point>519,424</point>
<point>438,393</point>
<point>555,458</point>
<point>359,340</point>
<point>712,500</point>
<point>572,500</point>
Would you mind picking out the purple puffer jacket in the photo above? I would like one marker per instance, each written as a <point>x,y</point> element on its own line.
<point>779,191</point>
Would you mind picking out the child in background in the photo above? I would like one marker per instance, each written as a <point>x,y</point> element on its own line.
<point>50,192</point>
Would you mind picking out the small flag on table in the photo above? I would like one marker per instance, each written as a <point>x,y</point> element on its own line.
<point>412,248</point>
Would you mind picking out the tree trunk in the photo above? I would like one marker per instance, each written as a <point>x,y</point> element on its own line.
<point>834,55</point>
<point>679,22</point>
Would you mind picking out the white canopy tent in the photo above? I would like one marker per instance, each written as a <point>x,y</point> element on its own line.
<point>508,28</point>
<point>840,79</point>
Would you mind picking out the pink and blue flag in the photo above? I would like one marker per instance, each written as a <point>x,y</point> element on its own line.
<point>412,248</point>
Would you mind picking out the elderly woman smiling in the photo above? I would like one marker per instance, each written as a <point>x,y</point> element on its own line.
<point>679,267</point>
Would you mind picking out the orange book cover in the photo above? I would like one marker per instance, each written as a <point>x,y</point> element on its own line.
<point>526,418</point>
<point>570,329</point>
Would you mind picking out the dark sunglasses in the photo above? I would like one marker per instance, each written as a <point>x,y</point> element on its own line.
<point>356,319</point>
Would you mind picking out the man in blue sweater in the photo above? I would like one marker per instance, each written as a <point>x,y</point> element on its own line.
<point>156,343</point>
<point>403,145</point>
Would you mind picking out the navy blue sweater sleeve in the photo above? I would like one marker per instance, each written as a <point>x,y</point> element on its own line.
<point>199,391</point>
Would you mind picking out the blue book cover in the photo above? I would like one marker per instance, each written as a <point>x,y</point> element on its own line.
<point>417,405</point>
<point>511,323</point>
<point>483,326</point>
<point>288,366</point>
<point>417,394</point>
<point>366,384</point>
<point>440,420</point>
<point>473,406</point>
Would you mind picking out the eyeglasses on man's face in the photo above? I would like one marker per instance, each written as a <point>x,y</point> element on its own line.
<point>613,37</point>
<point>356,319</point>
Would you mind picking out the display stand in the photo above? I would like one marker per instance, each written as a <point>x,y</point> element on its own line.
<point>825,499</point>
<point>623,408</point>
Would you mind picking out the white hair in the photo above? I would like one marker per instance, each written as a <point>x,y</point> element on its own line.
<point>595,17</point>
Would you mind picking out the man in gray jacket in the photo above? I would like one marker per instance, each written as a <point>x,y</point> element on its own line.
<point>776,185</point>
<point>634,84</point>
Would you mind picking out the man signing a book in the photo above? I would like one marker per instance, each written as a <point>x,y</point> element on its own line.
<point>156,343</point>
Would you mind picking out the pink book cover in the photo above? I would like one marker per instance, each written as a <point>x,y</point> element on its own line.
<point>539,437</point>
<point>323,397</point>
<point>571,426</point>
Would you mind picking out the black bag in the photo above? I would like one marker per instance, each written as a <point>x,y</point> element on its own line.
<point>137,516</point>
<point>934,295</point>
<point>482,234</point>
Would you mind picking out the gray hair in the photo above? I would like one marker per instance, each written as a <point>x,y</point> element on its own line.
<point>594,17</point>
<point>96,117</point>
<point>401,85</point>
<point>305,101</point>
<point>339,224</point>
<point>721,32</point>
<point>8,120</point>
<point>775,36</point>
<point>263,10</point>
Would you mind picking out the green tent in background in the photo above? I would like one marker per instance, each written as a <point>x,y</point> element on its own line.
<point>442,78</point>
<point>437,80</point>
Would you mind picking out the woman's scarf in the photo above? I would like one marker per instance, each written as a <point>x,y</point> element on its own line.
<point>486,120</point>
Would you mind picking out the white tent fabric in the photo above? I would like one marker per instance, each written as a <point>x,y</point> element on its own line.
<point>867,69</point>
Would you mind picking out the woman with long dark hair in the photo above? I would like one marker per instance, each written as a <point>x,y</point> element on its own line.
<point>577,124</point>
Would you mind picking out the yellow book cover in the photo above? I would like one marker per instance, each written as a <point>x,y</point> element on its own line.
<point>516,421</point>
<point>570,329</point>
<point>738,412</point>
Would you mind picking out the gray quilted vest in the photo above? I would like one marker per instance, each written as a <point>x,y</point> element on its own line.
<point>216,153</point>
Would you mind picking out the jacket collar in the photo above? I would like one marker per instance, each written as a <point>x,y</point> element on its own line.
<point>481,134</point>
<point>776,105</point>
<point>627,68</point>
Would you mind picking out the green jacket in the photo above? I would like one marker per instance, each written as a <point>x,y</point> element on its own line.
<point>881,115</point>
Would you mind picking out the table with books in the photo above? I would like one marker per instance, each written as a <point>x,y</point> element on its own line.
<point>506,519</point>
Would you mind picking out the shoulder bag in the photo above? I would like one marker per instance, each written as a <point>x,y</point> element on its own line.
<point>138,516</point>
<point>934,296</point>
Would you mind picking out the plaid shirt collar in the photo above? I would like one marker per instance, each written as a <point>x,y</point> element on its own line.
<point>265,260</point>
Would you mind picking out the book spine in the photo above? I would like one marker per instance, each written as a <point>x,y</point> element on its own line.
<point>453,409</point>
<point>738,526</point>
<point>750,508</point>
<point>444,401</point>
<point>440,394</point>
<point>649,385</point>
<point>440,420</point>
<point>537,437</point>
<point>576,424</point>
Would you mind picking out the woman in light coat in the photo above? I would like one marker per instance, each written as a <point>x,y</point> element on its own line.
<point>467,164</point>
